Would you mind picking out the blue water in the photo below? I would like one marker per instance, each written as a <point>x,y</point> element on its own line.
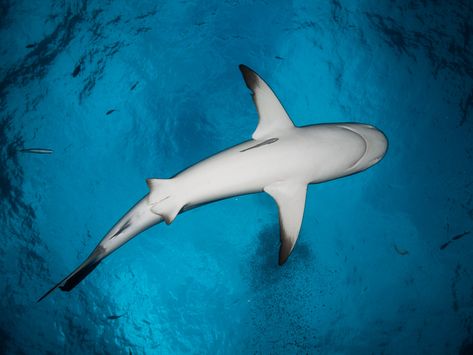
<point>368,275</point>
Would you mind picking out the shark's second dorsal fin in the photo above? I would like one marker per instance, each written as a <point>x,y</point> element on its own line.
<point>290,198</point>
<point>272,116</point>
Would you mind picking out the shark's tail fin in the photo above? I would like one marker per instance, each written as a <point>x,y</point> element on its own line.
<point>73,279</point>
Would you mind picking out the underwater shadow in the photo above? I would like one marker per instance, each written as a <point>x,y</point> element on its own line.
<point>264,269</point>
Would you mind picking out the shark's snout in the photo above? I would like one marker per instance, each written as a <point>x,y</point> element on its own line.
<point>376,144</point>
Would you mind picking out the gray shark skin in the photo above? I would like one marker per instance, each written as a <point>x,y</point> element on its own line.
<point>281,159</point>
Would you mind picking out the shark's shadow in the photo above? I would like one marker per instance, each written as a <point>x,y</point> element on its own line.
<point>264,268</point>
<point>278,294</point>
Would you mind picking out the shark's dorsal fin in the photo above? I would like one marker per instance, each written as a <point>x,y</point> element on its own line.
<point>272,117</point>
<point>162,199</point>
<point>290,198</point>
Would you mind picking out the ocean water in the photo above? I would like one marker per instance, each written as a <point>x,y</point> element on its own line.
<point>370,274</point>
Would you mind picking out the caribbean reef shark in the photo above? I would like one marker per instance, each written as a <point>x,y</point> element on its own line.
<point>281,159</point>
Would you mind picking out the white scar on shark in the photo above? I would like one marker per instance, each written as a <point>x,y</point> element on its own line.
<point>281,159</point>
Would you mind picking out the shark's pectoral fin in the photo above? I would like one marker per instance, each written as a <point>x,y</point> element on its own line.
<point>272,117</point>
<point>290,198</point>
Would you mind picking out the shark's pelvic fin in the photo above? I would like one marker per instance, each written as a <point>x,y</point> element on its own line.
<point>159,189</point>
<point>272,117</point>
<point>162,199</point>
<point>290,198</point>
<point>168,209</point>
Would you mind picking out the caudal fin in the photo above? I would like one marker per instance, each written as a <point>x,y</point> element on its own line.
<point>73,279</point>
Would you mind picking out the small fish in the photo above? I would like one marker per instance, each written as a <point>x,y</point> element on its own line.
<point>134,86</point>
<point>36,150</point>
<point>456,237</point>
<point>76,70</point>
<point>444,245</point>
<point>460,235</point>
<point>400,251</point>
<point>278,57</point>
<point>31,45</point>
<point>110,111</point>
<point>143,29</point>
<point>115,316</point>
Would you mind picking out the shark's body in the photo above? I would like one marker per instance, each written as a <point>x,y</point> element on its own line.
<point>281,159</point>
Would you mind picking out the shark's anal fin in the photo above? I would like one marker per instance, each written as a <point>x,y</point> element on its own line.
<point>162,199</point>
<point>290,197</point>
<point>272,116</point>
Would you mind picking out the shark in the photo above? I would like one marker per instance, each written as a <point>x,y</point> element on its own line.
<point>281,159</point>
